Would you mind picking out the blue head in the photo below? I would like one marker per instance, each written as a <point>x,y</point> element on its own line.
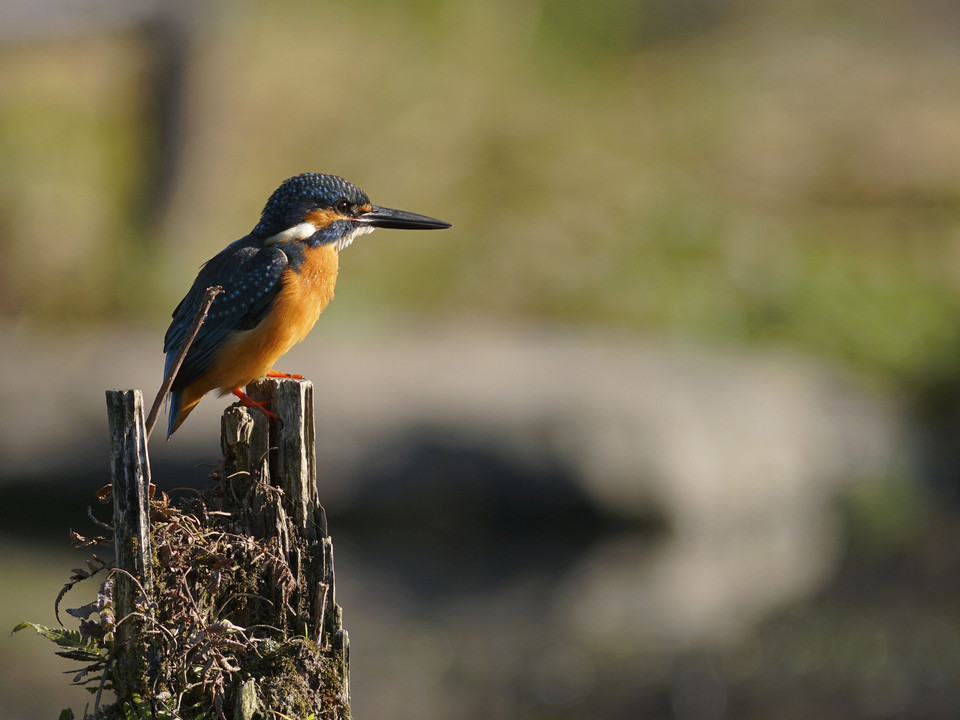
<point>318,209</point>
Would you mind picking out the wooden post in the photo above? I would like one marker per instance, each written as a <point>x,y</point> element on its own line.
<point>130,471</point>
<point>297,521</point>
<point>245,617</point>
<point>293,439</point>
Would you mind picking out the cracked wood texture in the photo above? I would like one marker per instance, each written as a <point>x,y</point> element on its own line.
<point>267,489</point>
<point>269,466</point>
<point>130,473</point>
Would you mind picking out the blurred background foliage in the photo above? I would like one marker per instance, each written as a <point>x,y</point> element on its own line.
<point>725,170</point>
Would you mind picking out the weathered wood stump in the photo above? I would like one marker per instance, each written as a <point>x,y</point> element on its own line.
<point>130,473</point>
<point>271,468</point>
<point>241,617</point>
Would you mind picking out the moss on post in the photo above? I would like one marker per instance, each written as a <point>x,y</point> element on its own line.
<point>230,593</point>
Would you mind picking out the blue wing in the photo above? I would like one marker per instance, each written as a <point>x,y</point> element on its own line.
<point>250,277</point>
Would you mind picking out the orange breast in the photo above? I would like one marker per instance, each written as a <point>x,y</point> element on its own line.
<point>303,295</point>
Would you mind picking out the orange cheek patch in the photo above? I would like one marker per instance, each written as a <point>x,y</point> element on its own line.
<point>323,218</point>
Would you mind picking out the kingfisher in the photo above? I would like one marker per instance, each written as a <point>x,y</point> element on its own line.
<point>276,281</point>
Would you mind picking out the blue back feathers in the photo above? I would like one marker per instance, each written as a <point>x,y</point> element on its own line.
<point>250,277</point>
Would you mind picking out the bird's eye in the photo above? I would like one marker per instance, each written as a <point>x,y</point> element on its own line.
<point>344,206</point>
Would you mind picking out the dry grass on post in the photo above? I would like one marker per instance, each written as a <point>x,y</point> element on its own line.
<point>223,604</point>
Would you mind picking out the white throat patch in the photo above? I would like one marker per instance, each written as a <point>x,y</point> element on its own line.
<point>353,235</point>
<point>306,229</point>
<point>297,232</point>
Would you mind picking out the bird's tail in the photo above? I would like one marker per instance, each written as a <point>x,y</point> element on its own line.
<point>180,402</point>
<point>173,398</point>
<point>184,400</point>
<point>173,419</point>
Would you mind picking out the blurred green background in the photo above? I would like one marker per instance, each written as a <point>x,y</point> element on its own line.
<point>725,173</point>
<point>730,171</point>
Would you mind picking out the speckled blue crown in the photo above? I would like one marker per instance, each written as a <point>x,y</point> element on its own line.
<point>296,196</point>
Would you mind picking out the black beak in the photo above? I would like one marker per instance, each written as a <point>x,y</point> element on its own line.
<point>382,217</point>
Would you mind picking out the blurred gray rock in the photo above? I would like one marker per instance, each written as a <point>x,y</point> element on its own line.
<point>742,453</point>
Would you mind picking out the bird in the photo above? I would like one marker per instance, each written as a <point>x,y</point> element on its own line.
<point>276,281</point>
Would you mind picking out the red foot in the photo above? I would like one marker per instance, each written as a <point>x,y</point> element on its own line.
<point>278,374</point>
<point>247,401</point>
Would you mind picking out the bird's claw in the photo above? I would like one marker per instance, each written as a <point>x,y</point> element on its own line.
<point>248,401</point>
<point>278,374</point>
